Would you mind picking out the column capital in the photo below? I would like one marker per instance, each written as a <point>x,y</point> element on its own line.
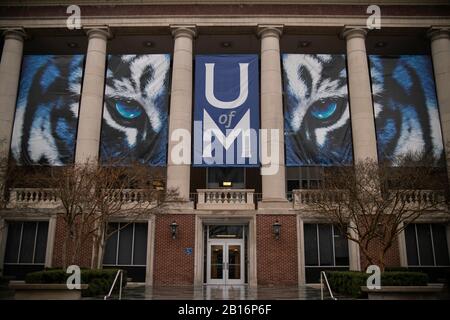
<point>189,31</point>
<point>435,33</point>
<point>15,33</point>
<point>101,32</point>
<point>350,32</point>
<point>270,30</point>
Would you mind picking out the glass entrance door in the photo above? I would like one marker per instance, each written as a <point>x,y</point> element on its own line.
<point>225,262</point>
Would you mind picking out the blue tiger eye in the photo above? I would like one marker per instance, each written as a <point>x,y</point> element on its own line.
<point>324,111</point>
<point>128,111</point>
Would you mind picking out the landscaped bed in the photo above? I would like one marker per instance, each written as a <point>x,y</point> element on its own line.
<point>51,284</point>
<point>394,285</point>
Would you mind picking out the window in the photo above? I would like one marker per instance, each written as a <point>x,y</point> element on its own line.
<point>224,177</point>
<point>304,178</point>
<point>26,242</point>
<point>127,245</point>
<point>325,245</point>
<point>326,248</point>
<point>426,245</point>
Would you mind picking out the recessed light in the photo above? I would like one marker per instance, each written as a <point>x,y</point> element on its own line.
<point>380,44</point>
<point>304,44</point>
<point>72,44</point>
<point>148,44</point>
<point>226,44</point>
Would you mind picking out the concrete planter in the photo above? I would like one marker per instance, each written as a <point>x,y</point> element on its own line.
<point>429,292</point>
<point>44,291</point>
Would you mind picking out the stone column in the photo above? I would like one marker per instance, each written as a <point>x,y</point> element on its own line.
<point>91,105</point>
<point>178,174</point>
<point>274,185</point>
<point>361,107</point>
<point>9,83</point>
<point>440,51</point>
<point>353,248</point>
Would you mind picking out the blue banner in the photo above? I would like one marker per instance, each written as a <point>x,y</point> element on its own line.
<point>46,119</point>
<point>317,116</point>
<point>226,110</point>
<point>405,107</point>
<point>135,112</point>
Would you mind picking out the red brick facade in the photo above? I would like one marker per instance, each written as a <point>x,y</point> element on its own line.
<point>172,265</point>
<point>85,256</point>
<point>277,259</point>
<point>392,257</point>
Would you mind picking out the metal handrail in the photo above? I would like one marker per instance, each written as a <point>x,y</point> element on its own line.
<point>323,275</point>
<point>114,283</point>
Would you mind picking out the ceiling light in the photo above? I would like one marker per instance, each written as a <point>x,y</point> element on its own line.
<point>380,44</point>
<point>304,44</point>
<point>148,44</point>
<point>226,44</point>
<point>72,44</point>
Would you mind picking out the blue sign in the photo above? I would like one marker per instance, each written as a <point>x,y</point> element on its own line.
<point>188,251</point>
<point>226,110</point>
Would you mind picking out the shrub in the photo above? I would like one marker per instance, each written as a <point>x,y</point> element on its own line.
<point>350,282</point>
<point>99,281</point>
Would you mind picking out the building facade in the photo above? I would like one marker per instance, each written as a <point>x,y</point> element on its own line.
<point>126,80</point>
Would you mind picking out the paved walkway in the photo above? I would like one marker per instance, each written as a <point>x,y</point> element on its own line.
<point>211,292</point>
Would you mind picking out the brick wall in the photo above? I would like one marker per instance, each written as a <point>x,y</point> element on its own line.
<point>85,255</point>
<point>172,265</point>
<point>392,258</point>
<point>277,262</point>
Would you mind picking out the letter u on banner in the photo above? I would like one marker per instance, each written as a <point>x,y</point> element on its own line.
<point>226,110</point>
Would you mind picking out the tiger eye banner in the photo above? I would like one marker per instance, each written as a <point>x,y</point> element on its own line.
<point>317,118</point>
<point>135,112</point>
<point>226,110</point>
<point>405,107</point>
<point>46,117</point>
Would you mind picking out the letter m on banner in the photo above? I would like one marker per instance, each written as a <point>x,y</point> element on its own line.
<point>226,110</point>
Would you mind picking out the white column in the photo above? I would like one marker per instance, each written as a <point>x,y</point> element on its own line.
<point>402,247</point>
<point>440,51</point>
<point>273,186</point>
<point>150,250</point>
<point>50,241</point>
<point>9,83</point>
<point>353,248</point>
<point>301,251</point>
<point>178,175</point>
<point>91,106</point>
<point>361,107</point>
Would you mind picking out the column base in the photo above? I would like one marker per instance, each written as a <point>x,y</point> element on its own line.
<point>179,204</point>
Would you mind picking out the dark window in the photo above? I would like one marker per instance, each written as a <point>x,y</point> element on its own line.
<point>311,249</point>
<point>426,245</point>
<point>325,245</point>
<point>340,248</point>
<point>224,231</point>
<point>222,177</point>
<point>126,244</point>
<point>26,242</point>
<point>440,245</point>
<point>304,177</point>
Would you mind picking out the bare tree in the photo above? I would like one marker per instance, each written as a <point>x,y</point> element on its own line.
<point>93,195</point>
<point>372,203</point>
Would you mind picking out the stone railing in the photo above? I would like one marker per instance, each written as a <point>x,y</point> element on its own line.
<point>307,197</point>
<point>46,198</point>
<point>37,198</point>
<point>225,199</point>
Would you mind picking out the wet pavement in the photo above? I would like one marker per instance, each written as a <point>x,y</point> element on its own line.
<point>211,292</point>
